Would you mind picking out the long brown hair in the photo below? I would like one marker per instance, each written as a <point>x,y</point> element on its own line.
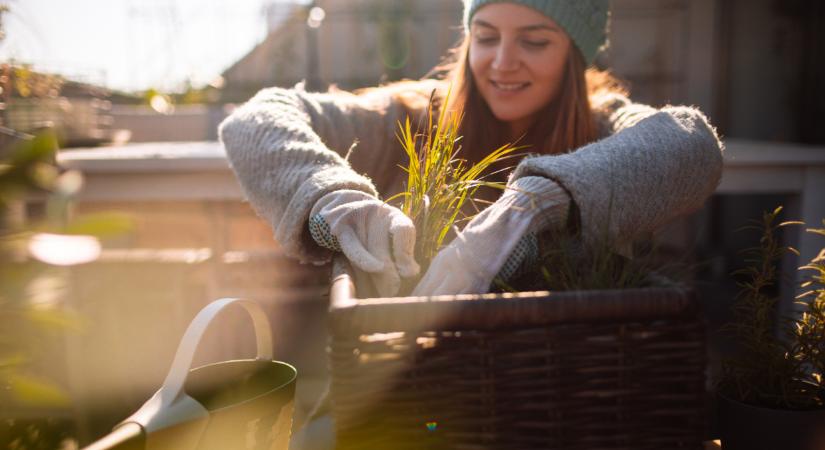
<point>564,125</point>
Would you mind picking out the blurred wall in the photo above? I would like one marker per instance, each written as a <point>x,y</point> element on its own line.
<point>185,123</point>
<point>774,63</point>
<point>384,40</point>
<point>664,49</point>
<point>280,60</point>
<point>359,43</point>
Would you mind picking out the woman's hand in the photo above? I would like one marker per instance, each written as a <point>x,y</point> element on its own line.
<point>471,261</point>
<point>376,237</point>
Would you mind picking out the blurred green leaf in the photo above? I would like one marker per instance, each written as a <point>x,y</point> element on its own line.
<point>42,175</point>
<point>15,278</point>
<point>42,147</point>
<point>12,361</point>
<point>101,225</point>
<point>54,319</point>
<point>36,392</point>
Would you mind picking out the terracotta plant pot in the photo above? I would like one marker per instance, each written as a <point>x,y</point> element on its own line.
<point>747,427</point>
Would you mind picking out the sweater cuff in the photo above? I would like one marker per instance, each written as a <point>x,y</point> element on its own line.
<point>292,231</point>
<point>549,202</point>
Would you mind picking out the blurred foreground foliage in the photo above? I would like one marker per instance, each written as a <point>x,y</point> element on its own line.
<point>33,285</point>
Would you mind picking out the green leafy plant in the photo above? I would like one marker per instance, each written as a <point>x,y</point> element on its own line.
<point>440,183</point>
<point>566,263</point>
<point>782,367</point>
<point>32,316</point>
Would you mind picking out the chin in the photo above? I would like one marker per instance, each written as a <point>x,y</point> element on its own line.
<point>506,115</point>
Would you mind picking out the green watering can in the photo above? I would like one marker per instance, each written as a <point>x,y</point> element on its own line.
<point>243,404</point>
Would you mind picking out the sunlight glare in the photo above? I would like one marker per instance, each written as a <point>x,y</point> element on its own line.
<point>64,250</point>
<point>316,17</point>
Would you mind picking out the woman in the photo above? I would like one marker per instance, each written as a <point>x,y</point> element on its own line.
<point>609,168</point>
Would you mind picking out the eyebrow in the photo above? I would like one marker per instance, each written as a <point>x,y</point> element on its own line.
<point>536,27</point>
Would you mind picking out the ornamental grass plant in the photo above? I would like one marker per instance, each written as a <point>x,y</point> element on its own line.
<point>440,184</point>
<point>781,360</point>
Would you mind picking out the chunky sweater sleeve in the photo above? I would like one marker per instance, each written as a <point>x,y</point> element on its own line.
<point>286,147</point>
<point>653,166</point>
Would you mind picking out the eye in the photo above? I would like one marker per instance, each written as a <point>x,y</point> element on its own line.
<point>487,39</point>
<point>535,44</point>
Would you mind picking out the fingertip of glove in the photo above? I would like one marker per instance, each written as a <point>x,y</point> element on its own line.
<point>405,229</point>
<point>371,266</point>
<point>408,269</point>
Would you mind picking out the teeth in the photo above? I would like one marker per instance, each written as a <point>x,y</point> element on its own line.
<point>509,86</point>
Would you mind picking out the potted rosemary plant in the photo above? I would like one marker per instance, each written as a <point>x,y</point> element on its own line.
<point>772,394</point>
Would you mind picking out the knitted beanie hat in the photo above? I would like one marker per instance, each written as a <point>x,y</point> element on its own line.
<point>585,21</point>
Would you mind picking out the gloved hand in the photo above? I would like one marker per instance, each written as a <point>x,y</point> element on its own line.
<point>470,262</point>
<point>376,237</point>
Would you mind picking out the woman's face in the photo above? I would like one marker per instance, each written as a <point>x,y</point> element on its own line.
<point>518,58</point>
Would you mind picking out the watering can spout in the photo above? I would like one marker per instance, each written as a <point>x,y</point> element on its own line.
<point>170,421</point>
<point>239,404</point>
<point>162,412</point>
<point>127,436</point>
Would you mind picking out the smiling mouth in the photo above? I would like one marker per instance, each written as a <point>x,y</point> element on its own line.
<point>510,87</point>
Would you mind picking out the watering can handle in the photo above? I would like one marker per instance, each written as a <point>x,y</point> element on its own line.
<point>173,385</point>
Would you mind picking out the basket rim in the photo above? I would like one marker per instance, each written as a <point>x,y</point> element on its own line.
<point>349,314</point>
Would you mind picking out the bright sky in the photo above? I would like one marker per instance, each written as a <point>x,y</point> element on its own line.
<point>135,44</point>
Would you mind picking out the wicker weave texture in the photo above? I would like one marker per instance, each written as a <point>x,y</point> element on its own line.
<point>589,385</point>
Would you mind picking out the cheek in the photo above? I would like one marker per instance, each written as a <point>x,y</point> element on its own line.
<point>549,74</point>
<point>478,60</point>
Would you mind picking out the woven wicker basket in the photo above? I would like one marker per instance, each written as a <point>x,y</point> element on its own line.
<point>620,369</point>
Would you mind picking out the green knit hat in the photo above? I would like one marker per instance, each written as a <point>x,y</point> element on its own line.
<point>585,21</point>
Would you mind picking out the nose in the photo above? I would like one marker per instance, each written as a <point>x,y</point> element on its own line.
<point>505,59</point>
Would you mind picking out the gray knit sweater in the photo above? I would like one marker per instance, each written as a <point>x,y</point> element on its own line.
<point>287,148</point>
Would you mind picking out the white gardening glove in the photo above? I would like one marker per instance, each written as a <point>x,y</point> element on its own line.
<point>471,261</point>
<point>376,237</point>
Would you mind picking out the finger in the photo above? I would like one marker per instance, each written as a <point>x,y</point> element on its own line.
<point>451,285</point>
<point>356,253</point>
<point>378,238</point>
<point>387,282</point>
<point>462,283</point>
<point>445,288</point>
<point>477,286</point>
<point>425,286</point>
<point>441,267</point>
<point>459,280</point>
<point>403,247</point>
